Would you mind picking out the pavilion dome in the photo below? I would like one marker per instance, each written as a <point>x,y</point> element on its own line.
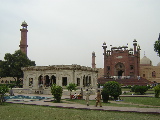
<point>145,61</point>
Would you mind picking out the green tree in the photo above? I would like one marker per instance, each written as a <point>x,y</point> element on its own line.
<point>157,47</point>
<point>56,92</point>
<point>71,87</point>
<point>113,88</point>
<point>3,89</point>
<point>12,64</point>
<point>157,91</point>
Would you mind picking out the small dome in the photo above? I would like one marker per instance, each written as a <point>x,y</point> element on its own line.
<point>104,43</point>
<point>158,64</point>
<point>24,22</point>
<point>145,61</point>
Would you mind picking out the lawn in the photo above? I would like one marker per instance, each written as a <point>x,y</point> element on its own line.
<point>142,102</point>
<point>30,112</point>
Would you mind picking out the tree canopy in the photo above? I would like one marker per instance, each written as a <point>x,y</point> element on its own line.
<point>157,47</point>
<point>113,89</point>
<point>12,64</point>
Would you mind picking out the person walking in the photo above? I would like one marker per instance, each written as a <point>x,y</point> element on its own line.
<point>87,97</point>
<point>98,98</point>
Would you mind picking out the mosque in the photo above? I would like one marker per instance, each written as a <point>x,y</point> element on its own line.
<point>124,65</point>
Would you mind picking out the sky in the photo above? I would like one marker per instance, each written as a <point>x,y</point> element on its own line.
<point>68,31</point>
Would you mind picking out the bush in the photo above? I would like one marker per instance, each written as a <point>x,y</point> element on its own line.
<point>3,89</point>
<point>113,88</point>
<point>57,92</point>
<point>157,91</point>
<point>105,95</point>
<point>139,89</point>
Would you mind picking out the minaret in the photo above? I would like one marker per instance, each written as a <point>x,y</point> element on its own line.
<point>105,58</point>
<point>135,59</point>
<point>23,43</point>
<point>93,60</point>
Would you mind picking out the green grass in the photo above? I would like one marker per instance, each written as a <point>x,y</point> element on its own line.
<point>128,102</point>
<point>142,100</point>
<point>92,102</point>
<point>30,112</point>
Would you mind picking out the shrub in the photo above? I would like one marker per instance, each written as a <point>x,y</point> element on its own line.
<point>139,89</point>
<point>3,89</point>
<point>113,88</point>
<point>157,91</point>
<point>57,92</point>
<point>105,95</point>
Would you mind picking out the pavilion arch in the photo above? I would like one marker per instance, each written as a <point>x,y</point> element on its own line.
<point>86,80</point>
<point>53,79</point>
<point>47,81</point>
<point>40,80</point>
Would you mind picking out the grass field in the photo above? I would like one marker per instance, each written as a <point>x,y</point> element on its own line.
<point>29,112</point>
<point>142,102</point>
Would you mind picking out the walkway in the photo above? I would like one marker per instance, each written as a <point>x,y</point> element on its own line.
<point>81,106</point>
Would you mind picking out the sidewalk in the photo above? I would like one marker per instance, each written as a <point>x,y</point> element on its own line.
<point>81,106</point>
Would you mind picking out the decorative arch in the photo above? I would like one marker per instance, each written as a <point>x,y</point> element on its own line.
<point>119,69</point>
<point>53,79</point>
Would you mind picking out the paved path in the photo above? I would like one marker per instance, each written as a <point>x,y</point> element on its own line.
<point>81,106</point>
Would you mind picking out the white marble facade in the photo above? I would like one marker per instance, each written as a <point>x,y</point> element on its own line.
<point>36,77</point>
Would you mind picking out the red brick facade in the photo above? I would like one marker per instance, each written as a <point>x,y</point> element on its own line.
<point>121,61</point>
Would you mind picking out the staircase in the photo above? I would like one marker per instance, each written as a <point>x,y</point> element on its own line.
<point>124,82</point>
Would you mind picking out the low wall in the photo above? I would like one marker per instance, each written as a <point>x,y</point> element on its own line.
<point>48,91</point>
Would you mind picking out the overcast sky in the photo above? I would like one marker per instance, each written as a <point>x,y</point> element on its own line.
<point>68,31</point>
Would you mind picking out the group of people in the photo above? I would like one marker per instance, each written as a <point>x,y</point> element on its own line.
<point>80,96</point>
<point>98,98</point>
<point>77,96</point>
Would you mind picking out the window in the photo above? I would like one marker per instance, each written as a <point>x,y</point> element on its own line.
<point>143,75</point>
<point>64,81</point>
<point>108,67</point>
<point>153,74</point>
<point>78,81</point>
<point>30,81</point>
<point>89,80</point>
<point>131,67</point>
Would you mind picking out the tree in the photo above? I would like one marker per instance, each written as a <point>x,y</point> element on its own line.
<point>56,92</point>
<point>71,87</point>
<point>113,88</point>
<point>3,89</point>
<point>157,47</point>
<point>12,64</point>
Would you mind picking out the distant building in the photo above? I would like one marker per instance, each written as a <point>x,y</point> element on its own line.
<point>148,71</point>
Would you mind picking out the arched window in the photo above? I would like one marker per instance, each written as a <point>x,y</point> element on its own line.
<point>153,74</point>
